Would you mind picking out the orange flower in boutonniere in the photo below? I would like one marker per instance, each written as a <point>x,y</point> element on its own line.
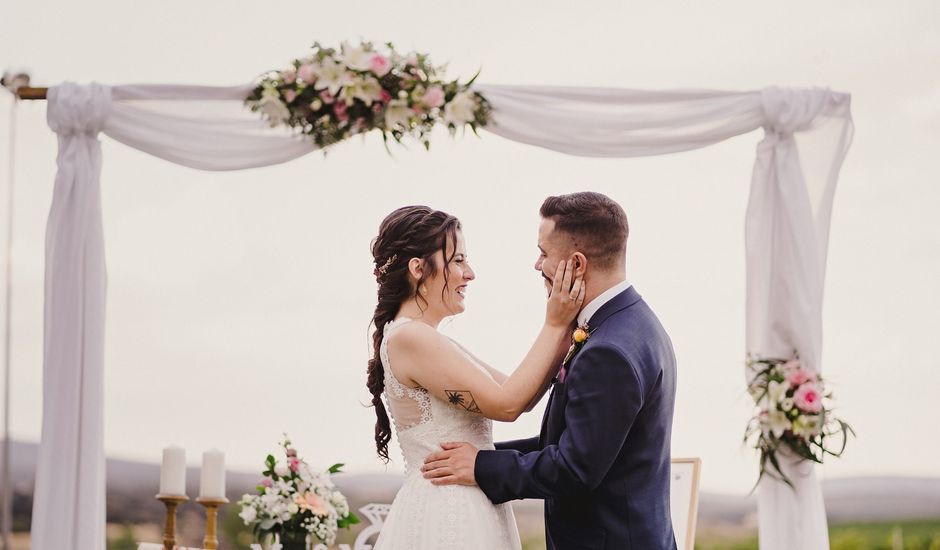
<point>578,338</point>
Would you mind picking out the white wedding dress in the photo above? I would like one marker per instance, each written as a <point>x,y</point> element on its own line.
<point>426,516</point>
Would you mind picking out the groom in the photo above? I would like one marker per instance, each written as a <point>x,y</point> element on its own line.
<point>602,460</point>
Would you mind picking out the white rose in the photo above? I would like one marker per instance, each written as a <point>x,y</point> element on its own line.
<point>292,508</point>
<point>397,113</point>
<point>248,515</point>
<point>281,470</point>
<point>461,109</point>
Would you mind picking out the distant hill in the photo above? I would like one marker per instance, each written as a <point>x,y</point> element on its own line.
<point>131,487</point>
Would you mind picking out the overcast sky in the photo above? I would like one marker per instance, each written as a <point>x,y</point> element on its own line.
<point>239,302</point>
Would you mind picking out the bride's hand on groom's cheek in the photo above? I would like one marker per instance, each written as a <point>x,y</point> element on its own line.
<point>452,466</point>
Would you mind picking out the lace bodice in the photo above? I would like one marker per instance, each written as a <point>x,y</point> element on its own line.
<point>422,421</point>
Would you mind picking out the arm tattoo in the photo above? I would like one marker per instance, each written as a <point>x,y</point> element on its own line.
<point>463,399</point>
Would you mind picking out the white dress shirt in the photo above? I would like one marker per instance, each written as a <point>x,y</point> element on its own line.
<point>589,310</point>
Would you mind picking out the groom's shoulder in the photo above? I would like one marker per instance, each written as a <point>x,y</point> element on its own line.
<point>635,329</point>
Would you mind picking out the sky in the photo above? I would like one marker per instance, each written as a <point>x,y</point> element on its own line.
<point>239,303</point>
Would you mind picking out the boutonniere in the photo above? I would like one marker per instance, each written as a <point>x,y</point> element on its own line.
<point>578,338</point>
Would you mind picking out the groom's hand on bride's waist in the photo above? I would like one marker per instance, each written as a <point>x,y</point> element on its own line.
<point>452,466</point>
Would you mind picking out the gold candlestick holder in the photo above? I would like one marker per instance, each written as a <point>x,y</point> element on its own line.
<point>212,505</point>
<point>169,530</point>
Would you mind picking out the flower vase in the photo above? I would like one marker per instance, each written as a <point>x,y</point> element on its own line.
<point>287,541</point>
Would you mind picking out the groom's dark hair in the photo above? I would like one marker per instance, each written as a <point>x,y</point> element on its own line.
<point>597,225</point>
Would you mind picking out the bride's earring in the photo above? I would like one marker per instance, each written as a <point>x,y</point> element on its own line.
<point>423,290</point>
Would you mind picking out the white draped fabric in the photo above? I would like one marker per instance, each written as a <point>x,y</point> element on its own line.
<point>807,134</point>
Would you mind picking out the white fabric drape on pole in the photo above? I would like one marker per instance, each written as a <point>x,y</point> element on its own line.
<point>807,134</point>
<point>69,496</point>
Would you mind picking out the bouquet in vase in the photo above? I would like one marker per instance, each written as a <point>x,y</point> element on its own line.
<point>793,413</point>
<point>296,505</point>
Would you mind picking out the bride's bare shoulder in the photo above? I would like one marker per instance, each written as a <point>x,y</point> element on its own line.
<point>415,335</point>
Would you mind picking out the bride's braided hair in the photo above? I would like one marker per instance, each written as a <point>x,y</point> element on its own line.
<point>409,232</point>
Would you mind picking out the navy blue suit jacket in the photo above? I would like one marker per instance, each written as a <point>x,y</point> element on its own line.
<point>603,458</point>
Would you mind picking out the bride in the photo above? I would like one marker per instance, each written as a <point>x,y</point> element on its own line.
<point>436,390</point>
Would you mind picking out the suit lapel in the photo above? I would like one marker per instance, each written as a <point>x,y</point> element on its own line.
<point>619,302</point>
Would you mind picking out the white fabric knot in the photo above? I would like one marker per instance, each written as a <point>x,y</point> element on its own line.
<point>789,110</point>
<point>78,109</point>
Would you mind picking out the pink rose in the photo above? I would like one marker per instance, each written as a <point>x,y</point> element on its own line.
<point>340,109</point>
<point>266,482</point>
<point>293,463</point>
<point>808,398</point>
<point>291,452</point>
<point>290,76</point>
<point>434,97</point>
<point>385,96</point>
<point>797,376</point>
<point>327,97</point>
<point>379,64</point>
<point>290,95</point>
<point>307,72</point>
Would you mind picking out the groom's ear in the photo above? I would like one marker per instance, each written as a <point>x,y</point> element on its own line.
<point>580,264</point>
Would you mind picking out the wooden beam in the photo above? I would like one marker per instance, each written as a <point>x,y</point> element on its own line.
<point>31,93</point>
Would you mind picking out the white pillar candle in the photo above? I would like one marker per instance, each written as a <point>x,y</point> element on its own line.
<point>173,471</point>
<point>212,481</point>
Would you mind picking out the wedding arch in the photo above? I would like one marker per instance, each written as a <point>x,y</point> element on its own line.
<point>807,133</point>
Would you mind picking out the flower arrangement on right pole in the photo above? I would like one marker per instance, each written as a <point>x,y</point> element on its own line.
<point>793,411</point>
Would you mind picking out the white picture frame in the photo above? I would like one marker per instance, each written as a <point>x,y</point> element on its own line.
<point>683,494</point>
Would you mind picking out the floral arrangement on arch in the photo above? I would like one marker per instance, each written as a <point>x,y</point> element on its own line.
<point>294,505</point>
<point>793,411</point>
<point>332,95</point>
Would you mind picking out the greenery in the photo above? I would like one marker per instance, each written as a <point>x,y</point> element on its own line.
<point>906,535</point>
<point>125,541</point>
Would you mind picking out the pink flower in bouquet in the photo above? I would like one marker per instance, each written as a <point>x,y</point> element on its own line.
<point>327,97</point>
<point>377,108</point>
<point>799,375</point>
<point>291,452</point>
<point>293,463</point>
<point>379,64</point>
<point>808,398</point>
<point>307,72</point>
<point>310,501</point>
<point>434,97</point>
<point>290,95</point>
<point>385,97</point>
<point>266,482</point>
<point>290,76</point>
<point>341,111</point>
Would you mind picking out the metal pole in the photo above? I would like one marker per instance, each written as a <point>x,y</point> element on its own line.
<point>6,500</point>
